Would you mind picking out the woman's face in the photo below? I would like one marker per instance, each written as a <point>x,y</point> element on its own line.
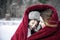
<point>42,22</point>
<point>33,24</point>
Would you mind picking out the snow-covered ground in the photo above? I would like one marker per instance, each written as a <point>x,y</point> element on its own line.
<point>8,28</point>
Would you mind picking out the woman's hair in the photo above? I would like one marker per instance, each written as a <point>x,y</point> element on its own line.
<point>46,15</point>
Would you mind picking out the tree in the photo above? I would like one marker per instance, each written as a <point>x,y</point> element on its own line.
<point>42,1</point>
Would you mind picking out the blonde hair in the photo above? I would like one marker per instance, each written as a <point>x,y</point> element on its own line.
<point>46,15</point>
<point>50,25</point>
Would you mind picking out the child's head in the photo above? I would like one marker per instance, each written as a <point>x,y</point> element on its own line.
<point>34,18</point>
<point>34,15</point>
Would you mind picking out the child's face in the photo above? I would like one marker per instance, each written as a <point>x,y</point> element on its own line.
<point>33,23</point>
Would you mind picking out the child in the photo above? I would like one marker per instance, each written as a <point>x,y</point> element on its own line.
<point>34,19</point>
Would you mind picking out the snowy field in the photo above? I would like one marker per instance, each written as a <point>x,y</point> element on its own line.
<point>8,28</point>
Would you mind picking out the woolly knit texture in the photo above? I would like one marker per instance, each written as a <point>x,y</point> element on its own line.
<point>34,15</point>
<point>47,33</point>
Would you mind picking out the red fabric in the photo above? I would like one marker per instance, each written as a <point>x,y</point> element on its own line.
<point>47,33</point>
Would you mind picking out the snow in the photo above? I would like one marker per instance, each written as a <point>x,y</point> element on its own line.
<point>8,28</point>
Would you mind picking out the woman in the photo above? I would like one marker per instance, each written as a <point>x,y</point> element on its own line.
<point>50,31</point>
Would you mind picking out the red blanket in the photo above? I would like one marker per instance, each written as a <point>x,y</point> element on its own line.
<point>47,33</point>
